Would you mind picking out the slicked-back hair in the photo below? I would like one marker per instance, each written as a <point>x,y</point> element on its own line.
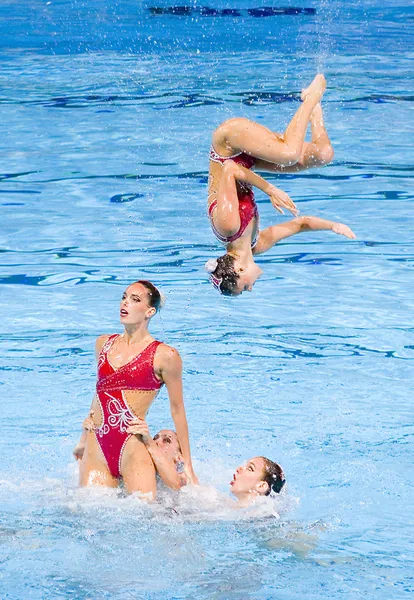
<point>273,475</point>
<point>154,297</point>
<point>225,271</point>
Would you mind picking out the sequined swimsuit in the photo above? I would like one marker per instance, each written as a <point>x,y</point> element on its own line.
<point>247,205</point>
<point>137,374</point>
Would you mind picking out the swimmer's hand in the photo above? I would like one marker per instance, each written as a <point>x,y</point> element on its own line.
<point>140,427</point>
<point>88,423</point>
<point>78,451</point>
<point>281,200</point>
<point>342,229</point>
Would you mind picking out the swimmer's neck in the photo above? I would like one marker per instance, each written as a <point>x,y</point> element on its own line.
<point>241,251</point>
<point>242,246</point>
<point>136,333</point>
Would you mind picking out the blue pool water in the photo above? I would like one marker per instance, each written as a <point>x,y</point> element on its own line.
<point>107,113</point>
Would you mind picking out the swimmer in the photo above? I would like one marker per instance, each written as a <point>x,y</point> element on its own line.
<point>260,476</point>
<point>132,367</point>
<point>238,145</point>
<point>164,450</point>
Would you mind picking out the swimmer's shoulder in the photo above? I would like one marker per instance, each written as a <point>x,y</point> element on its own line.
<point>100,342</point>
<point>167,360</point>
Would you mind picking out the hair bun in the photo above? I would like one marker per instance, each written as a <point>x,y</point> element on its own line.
<point>211,265</point>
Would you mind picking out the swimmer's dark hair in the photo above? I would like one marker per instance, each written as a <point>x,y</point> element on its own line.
<point>273,475</point>
<point>154,297</point>
<point>225,271</point>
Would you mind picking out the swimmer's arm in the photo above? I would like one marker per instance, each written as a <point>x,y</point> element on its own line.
<point>270,236</point>
<point>278,197</point>
<point>164,466</point>
<point>79,449</point>
<point>171,372</point>
<point>87,425</point>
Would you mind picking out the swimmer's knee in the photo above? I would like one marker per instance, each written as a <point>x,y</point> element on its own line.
<point>231,127</point>
<point>235,122</point>
<point>230,169</point>
<point>326,154</point>
<point>290,157</point>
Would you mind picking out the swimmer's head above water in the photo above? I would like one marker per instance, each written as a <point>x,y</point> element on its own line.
<point>258,477</point>
<point>140,301</point>
<point>167,441</point>
<point>230,276</point>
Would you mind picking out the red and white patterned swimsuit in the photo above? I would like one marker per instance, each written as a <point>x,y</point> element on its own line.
<point>247,205</point>
<point>137,374</point>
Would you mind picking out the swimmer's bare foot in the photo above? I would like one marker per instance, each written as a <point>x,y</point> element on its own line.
<point>316,89</point>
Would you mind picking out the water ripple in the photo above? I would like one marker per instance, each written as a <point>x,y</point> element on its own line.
<point>192,99</point>
<point>201,177</point>
<point>208,11</point>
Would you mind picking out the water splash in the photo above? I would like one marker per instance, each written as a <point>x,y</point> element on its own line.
<point>327,15</point>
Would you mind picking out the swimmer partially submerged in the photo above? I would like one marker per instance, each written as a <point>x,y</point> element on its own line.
<point>164,449</point>
<point>259,476</point>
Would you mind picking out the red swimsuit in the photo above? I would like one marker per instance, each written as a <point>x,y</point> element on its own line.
<point>137,374</point>
<point>247,205</point>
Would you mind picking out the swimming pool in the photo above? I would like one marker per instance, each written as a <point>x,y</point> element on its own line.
<point>106,122</point>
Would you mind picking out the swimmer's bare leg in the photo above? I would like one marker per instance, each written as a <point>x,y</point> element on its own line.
<point>95,473</point>
<point>137,469</point>
<point>256,140</point>
<point>93,469</point>
<point>317,153</point>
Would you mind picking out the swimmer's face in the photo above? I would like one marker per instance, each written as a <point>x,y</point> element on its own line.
<point>167,441</point>
<point>249,478</point>
<point>135,307</point>
<point>247,277</point>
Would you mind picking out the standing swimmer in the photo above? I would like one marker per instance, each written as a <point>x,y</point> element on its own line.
<point>238,145</point>
<point>132,368</point>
